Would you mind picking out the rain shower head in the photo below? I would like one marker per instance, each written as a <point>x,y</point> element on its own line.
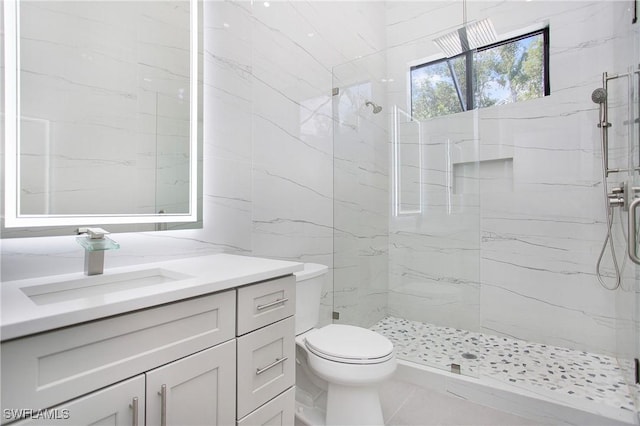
<point>599,95</point>
<point>376,108</point>
<point>470,36</point>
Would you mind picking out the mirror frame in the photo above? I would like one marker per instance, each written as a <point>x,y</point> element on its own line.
<point>10,212</point>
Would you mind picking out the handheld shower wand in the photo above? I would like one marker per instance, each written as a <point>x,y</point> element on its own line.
<point>599,96</point>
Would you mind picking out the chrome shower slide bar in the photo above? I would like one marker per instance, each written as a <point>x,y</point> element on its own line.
<point>604,118</point>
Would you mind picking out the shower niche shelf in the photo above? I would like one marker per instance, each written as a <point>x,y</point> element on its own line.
<point>494,175</point>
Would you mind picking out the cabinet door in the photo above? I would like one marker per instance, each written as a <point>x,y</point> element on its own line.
<point>197,390</point>
<point>113,405</point>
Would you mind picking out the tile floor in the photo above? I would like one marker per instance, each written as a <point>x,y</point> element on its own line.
<point>575,374</point>
<point>409,405</point>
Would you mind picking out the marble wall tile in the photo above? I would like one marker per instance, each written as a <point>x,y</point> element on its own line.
<point>268,146</point>
<point>227,160</point>
<point>296,46</point>
<point>538,186</point>
<point>361,191</point>
<point>272,170</point>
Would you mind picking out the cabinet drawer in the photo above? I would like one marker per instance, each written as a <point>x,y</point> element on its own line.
<point>277,412</point>
<point>46,369</point>
<point>266,364</point>
<point>265,303</point>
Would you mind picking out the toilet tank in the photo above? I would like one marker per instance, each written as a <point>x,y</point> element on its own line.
<point>309,283</point>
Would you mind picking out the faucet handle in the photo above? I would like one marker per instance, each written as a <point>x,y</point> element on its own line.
<point>94,233</point>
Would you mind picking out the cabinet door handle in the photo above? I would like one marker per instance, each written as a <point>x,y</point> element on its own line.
<point>259,371</point>
<point>274,303</point>
<point>134,405</point>
<point>633,230</point>
<point>163,405</point>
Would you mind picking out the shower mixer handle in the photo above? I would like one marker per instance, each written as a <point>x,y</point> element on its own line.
<point>633,232</point>
<point>616,198</point>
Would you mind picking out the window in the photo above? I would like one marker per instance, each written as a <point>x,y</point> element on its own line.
<point>513,70</point>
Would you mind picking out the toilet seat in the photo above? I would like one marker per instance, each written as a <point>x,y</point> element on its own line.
<point>349,345</point>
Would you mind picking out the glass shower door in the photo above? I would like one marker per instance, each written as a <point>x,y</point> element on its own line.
<point>631,280</point>
<point>434,241</point>
<point>628,300</point>
<point>406,219</point>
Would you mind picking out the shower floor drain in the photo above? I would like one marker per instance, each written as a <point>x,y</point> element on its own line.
<point>467,355</point>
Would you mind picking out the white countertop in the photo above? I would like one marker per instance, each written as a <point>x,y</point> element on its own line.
<point>22,315</point>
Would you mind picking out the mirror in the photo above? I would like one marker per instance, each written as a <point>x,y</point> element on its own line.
<point>102,114</point>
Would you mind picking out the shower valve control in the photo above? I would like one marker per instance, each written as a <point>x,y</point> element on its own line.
<point>616,200</point>
<point>617,197</point>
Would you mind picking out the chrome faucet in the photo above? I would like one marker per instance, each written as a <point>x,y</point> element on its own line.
<point>95,244</point>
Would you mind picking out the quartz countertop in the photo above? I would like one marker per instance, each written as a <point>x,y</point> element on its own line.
<point>39,304</point>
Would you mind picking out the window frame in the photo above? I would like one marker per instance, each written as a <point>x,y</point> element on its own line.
<point>470,103</point>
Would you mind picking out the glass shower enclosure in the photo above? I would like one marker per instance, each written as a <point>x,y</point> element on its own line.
<point>471,239</point>
<point>406,200</point>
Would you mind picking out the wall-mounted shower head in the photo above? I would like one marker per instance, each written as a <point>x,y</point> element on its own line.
<point>376,108</point>
<point>599,95</point>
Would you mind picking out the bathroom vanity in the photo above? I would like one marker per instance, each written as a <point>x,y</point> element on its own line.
<point>205,340</point>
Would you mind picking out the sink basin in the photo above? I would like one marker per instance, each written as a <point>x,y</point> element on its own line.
<point>99,285</point>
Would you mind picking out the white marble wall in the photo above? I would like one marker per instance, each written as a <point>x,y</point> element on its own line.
<point>295,46</point>
<point>268,145</point>
<point>361,208</point>
<point>434,255</point>
<point>227,160</point>
<point>269,189</point>
<point>540,221</point>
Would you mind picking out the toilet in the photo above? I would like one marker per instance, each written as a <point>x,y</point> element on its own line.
<point>338,367</point>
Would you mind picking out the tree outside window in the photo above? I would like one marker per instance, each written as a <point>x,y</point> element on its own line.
<point>514,70</point>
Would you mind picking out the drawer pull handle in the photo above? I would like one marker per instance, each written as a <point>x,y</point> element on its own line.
<point>134,405</point>
<point>274,303</point>
<point>163,407</point>
<point>259,371</point>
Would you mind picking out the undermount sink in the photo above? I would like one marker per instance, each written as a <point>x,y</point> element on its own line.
<point>99,285</point>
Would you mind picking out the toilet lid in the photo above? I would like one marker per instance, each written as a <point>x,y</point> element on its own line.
<point>349,344</point>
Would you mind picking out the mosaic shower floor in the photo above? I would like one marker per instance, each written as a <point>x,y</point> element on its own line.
<point>542,368</point>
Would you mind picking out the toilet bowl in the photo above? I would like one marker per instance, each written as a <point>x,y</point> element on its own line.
<point>345,361</point>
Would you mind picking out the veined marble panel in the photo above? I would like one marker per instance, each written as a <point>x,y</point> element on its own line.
<point>227,156</point>
<point>406,20</point>
<point>542,226</point>
<point>228,86</point>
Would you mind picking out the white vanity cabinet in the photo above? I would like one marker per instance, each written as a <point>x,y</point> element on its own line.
<point>212,344</point>
<point>266,353</point>
<point>122,403</point>
<point>196,390</point>
<point>177,343</point>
